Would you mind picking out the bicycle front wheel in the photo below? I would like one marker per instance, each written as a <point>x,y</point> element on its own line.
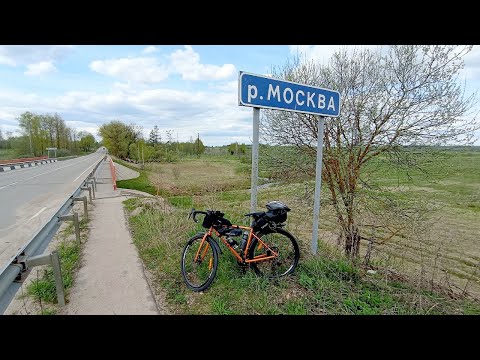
<point>199,263</point>
<point>280,242</point>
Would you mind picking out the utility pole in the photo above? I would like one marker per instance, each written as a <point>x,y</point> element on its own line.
<point>198,144</point>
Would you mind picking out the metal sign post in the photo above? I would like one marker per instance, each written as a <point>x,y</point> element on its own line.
<point>260,91</point>
<point>318,185</point>
<point>253,187</point>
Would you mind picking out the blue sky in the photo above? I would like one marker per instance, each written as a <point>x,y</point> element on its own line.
<point>187,89</point>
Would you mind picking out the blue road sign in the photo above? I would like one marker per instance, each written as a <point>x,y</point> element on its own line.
<point>266,92</point>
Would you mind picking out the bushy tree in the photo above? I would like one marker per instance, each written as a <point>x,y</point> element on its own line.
<point>87,141</point>
<point>117,138</point>
<point>392,99</point>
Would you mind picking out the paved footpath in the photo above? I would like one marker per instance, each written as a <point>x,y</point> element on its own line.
<point>111,279</point>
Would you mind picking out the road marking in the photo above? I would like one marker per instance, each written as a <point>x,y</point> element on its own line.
<point>82,173</point>
<point>8,185</point>
<point>38,213</point>
<point>47,172</point>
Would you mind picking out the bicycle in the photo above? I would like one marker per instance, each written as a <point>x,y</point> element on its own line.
<point>266,247</point>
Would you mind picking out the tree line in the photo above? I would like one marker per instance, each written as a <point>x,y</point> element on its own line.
<point>40,131</point>
<point>126,141</point>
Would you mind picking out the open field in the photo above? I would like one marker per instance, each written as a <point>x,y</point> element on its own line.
<point>447,245</point>
<point>446,249</point>
<point>199,176</point>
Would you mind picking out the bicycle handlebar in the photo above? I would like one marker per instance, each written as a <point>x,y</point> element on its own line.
<point>193,214</point>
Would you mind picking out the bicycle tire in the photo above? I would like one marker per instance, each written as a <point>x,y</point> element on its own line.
<point>194,273</point>
<point>279,240</point>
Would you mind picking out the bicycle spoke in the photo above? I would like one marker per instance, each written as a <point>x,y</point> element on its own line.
<point>283,253</point>
<point>199,264</point>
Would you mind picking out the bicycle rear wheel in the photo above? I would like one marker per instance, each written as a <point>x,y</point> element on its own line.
<point>281,242</point>
<point>199,265</point>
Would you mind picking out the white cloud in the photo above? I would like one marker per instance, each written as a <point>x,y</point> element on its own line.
<point>13,55</point>
<point>150,50</point>
<point>322,53</point>
<point>471,71</point>
<point>318,52</point>
<point>5,60</point>
<point>215,113</point>
<point>140,69</point>
<point>43,67</point>
<point>187,63</point>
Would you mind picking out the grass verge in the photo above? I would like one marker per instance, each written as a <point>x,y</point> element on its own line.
<point>43,289</point>
<point>324,284</point>
<point>140,183</point>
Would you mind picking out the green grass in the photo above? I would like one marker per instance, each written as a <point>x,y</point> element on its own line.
<point>6,154</point>
<point>326,284</point>
<point>184,202</point>
<point>140,183</point>
<point>43,288</point>
<point>450,176</point>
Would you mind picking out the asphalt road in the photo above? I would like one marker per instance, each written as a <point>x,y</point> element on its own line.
<point>30,197</point>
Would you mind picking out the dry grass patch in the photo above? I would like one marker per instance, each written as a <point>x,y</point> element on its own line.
<point>198,177</point>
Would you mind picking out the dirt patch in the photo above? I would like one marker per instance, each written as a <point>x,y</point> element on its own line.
<point>153,203</point>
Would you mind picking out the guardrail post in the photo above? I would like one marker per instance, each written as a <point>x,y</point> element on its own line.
<point>54,260</point>
<point>84,199</point>
<point>89,192</point>
<point>94,183</point>
<point>93,190</point>
<point>57,273</point>
<point>73,218</point>
<point>77,227</point>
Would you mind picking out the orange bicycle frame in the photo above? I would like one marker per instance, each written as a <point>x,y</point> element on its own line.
<point>200,248</point>
<point>251,234</point>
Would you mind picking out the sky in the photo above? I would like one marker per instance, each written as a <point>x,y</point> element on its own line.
<point>187,89</point>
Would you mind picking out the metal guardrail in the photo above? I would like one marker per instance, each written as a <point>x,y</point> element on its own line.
<point>36,245</point>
